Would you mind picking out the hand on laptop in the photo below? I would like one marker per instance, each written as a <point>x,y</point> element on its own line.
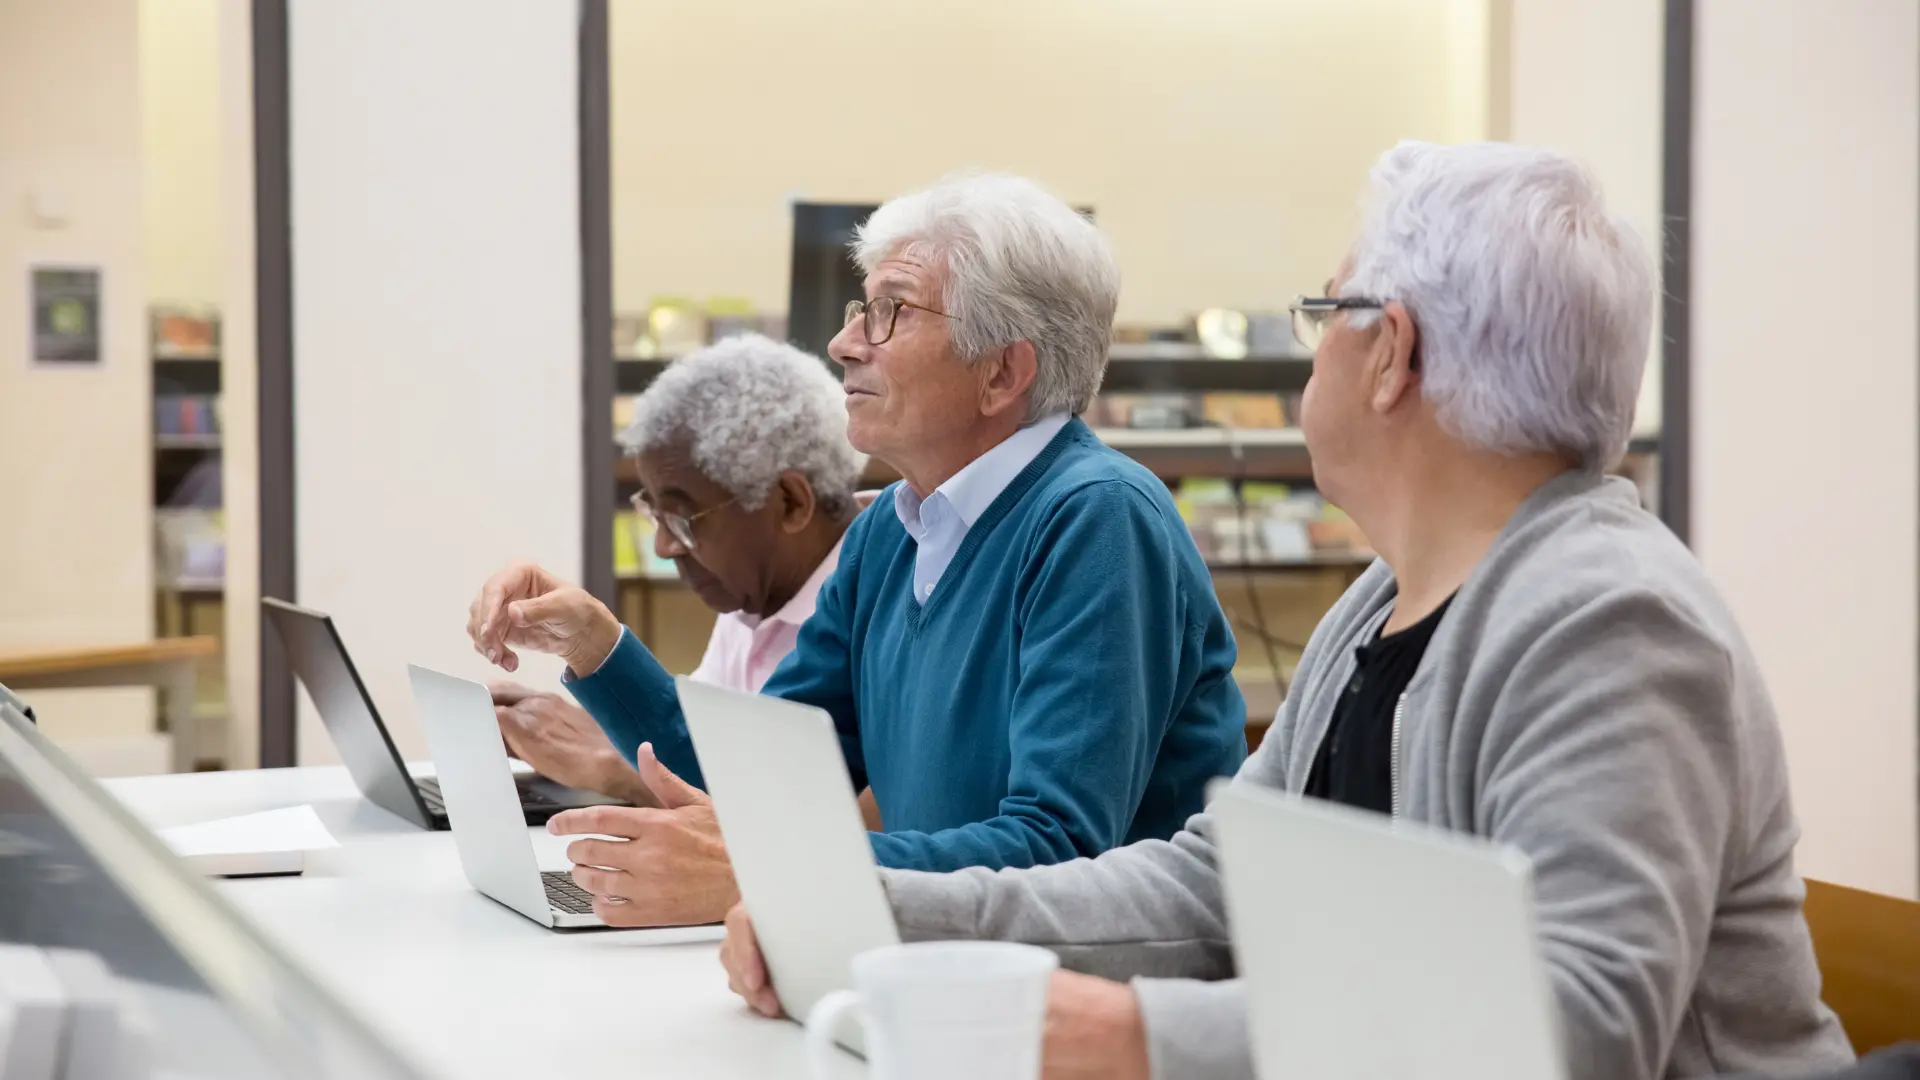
<point>562,743</point>
<point>670,867</point>
<point>746,968</point>
<point>525,607</point>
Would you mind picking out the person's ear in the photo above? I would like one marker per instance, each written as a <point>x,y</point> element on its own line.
<point>1395,358</point>
<point>1006,376</point>
<point>797,501</point>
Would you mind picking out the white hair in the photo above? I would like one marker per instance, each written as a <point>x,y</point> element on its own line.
<point>1020,266</point>
<point>1533,301</point>
<point>749,409</point>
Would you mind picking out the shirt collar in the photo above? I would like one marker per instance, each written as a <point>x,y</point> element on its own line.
<point>971,490</point>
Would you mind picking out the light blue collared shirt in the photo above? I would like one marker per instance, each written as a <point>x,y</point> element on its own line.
<point>940,522</point>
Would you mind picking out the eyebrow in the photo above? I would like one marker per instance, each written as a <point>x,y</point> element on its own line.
<point>893,285</point>
<point>665,493</point>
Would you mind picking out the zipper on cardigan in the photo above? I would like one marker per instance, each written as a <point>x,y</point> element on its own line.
<point>1393,754</point>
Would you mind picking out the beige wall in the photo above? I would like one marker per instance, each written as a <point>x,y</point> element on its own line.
<point>1586,78</point>
<point>75,460</point>
<point>182,185</point>
<point>1805,240</point>
<point>1223,143</point>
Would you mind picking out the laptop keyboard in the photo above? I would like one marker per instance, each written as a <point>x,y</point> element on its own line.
<point>564,895</point>
<point>530,798</point>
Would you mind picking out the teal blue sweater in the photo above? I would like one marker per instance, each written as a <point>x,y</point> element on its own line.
<point>1068,688</point>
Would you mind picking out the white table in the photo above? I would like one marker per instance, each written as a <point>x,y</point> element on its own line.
<point>461,985</point>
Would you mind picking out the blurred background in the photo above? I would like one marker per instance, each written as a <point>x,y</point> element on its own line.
<point>345,301</point>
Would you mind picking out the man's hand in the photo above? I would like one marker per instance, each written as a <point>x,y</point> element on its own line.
<point>670,868</point>
<point>525,607</point>
<point>746,968</point>
<point>562,742</point>
<point>1094,1029</point>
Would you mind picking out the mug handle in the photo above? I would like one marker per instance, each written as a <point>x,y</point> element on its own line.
<point>824,1020</point>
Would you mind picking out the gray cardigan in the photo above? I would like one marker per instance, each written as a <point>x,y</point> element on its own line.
<point>1588,699</point>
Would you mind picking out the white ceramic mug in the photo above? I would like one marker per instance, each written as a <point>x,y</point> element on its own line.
<point>941,1010</point>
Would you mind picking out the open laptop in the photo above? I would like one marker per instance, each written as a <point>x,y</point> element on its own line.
<point>799,847</point>
<point>1375,948</point>
<point>488,829</point>
<point>320,659</point>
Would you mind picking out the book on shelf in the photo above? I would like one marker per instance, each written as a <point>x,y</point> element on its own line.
<point>1276,524</point>
<point>1164,411</point>
<point>186,414</point>
<point>184,331</point>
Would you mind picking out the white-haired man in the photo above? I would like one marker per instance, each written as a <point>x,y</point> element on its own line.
<point>1534,659</point>
<point>1021,646</point>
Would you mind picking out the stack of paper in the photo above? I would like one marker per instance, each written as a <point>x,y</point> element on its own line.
<point>270,842</point>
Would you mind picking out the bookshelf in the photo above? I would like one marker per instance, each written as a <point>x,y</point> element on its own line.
<point>189,529</point>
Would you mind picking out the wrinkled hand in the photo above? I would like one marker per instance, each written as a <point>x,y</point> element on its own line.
<point>525,607</point>
<point>670,868</point>
<point>562,743</point>
<point>1094,1029</point>
<point>746,968</point>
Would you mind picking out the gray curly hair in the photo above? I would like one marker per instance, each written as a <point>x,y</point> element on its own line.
<point>751,408</point>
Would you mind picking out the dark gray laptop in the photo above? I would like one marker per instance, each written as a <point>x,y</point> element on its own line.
<point>320,659</point>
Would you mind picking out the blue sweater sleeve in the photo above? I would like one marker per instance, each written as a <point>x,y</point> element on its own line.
<point>1101,622</point>
<point>633,699</point>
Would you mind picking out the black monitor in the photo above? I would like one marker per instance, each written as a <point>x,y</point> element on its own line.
<point>193,989</point>
<point>823,277</point>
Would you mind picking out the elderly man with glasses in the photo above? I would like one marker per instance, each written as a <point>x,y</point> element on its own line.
<point>1021,647</point>
<point>1535,659</point>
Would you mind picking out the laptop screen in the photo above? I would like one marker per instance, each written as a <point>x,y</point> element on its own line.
<point>319,658</point>
<point>91,901</point>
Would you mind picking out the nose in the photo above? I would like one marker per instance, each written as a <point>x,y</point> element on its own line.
<point>666,545</point>
<point>849,346</point>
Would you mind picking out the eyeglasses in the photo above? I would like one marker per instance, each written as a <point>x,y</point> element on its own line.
<point>880,312</point>
<point>679,526</point>
<point>1310,315</point>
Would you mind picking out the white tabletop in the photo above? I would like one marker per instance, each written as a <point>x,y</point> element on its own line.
<point>461,985</point>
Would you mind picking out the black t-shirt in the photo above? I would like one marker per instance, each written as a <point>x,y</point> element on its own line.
<point>1354,764</point>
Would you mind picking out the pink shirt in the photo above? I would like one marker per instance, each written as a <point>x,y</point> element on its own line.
<point>744,649</point>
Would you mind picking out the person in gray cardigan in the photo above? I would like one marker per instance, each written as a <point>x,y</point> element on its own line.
<point>1534,659</point>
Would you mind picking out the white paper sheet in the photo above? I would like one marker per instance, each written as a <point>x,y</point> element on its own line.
<point>293,829</point>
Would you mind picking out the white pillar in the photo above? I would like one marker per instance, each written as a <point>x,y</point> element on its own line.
<point>1806,238</point>
<point>436,305</point>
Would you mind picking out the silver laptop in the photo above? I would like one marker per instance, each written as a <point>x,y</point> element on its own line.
<point>1373,948</point>
<point>489,826</point>
<point>799,847</point>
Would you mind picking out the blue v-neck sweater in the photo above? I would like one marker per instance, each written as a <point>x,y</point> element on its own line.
<point>1067,689</point>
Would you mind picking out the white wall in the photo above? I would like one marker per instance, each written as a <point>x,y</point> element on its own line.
<point>239,375</point>
<point>437,319</point>
<point>76,460</point>
<point>1805,240</point>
